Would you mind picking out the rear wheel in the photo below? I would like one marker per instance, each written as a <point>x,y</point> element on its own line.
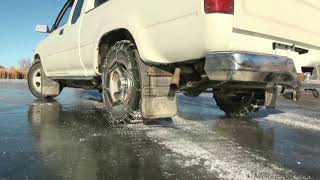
<point>239,104</point>
<point>121,83</point>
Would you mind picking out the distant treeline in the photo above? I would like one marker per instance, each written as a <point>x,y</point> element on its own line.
<point>13,73</point>
<point>16,73</point>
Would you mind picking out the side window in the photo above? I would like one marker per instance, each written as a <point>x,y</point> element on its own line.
<point>77,11</point>
<point>63,16</point>
<point>99,2</point>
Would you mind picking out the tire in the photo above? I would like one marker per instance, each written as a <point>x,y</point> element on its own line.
<point>121,83</point>
<point>239,104</point>
<point>35,82</point>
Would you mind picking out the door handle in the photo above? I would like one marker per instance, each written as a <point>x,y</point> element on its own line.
<point>61,31</point>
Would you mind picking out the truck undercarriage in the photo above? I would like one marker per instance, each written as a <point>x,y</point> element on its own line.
<point>241,83</point>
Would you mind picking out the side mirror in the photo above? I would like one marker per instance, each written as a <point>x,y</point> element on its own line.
<point>42,28</point>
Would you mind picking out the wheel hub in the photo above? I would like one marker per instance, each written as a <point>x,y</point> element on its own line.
<point>36,80</point>
<point>120,83</point>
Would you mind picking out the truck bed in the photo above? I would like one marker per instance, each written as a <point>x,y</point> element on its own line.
<point>294,21</point>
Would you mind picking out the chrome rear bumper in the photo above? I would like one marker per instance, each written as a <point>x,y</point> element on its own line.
<point>251,68</point>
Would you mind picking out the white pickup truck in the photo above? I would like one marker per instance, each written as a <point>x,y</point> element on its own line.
<point>139,53</point>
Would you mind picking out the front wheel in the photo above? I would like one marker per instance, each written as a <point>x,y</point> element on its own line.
<point>121,83</point>
<point>240,104</point>
<point>35,81</point>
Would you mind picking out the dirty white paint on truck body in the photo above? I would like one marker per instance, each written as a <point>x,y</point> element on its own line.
<point>175,31</point>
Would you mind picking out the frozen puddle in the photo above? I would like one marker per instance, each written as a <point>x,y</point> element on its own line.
<point>300,119</point>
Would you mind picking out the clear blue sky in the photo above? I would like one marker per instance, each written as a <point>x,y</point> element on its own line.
<point>18,20</point>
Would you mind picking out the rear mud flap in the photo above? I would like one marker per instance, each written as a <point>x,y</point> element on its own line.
<point>271,98</point>
<point>158,100</point>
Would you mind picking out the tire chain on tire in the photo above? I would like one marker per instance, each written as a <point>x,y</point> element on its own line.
<point>135,117</point>
<point>243,110</point>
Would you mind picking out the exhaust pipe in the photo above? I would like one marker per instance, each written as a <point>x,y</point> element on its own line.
<point>175,81</point>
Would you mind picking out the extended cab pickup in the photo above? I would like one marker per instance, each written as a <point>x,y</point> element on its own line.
<point>139,53</point>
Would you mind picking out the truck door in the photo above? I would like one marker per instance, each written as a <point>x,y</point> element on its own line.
<point>61,55</point>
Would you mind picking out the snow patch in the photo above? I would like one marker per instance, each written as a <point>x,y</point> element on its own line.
<point>221,157</point>
<point>295,120</point>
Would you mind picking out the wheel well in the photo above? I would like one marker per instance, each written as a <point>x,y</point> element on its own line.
<point>37,58</point>
<point>108,40</point>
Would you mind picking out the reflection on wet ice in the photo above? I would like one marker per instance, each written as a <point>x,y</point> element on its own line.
<point>76,144</point>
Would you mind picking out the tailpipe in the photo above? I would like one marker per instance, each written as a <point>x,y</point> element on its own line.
<point>175,81</point>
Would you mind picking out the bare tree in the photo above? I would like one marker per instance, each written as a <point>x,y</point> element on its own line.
<point>25,63</point>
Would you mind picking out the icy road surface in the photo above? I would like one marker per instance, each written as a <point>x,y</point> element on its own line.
<point>68,139</point>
